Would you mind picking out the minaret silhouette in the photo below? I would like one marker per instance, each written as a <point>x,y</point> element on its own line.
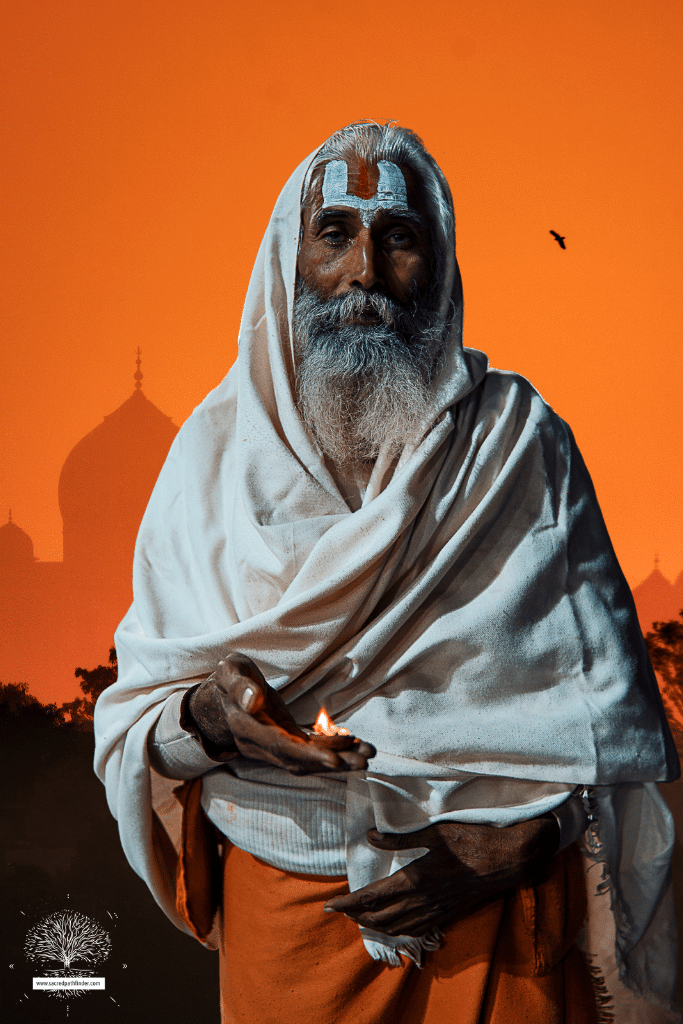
<point>137,376</point>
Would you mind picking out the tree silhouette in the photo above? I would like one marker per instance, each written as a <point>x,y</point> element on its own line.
<point>67,936</point>
<point>16,703</point>
<point>18,706</point>
<point>665,646</point>
<point>98,679</point>
<point>93,682</point>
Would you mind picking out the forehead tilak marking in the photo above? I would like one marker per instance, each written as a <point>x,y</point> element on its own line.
<point>391,191</point>
<point>366,181</point>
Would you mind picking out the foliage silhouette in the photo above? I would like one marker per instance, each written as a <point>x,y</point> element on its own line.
<point>93,682</point>
<point>17,705</point>
<point>665,646</point>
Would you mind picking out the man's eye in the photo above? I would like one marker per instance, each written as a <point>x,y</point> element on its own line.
<point>334,236</point>
<point>399,238</point>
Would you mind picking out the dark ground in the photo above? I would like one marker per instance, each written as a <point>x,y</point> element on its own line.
<point>60,849</point>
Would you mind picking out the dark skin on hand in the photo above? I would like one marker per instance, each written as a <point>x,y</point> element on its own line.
<point>236,710</point>
<point>465,866</point>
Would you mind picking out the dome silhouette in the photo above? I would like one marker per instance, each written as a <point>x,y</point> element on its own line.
<point>58,615</point>
<point>656,599</point>
<point>106,482</point>
<point>16,547</point>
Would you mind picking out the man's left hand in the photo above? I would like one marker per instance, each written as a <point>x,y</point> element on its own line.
<point>465,866</point>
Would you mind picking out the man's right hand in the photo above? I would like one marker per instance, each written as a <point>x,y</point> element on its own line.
<point>236,710</point>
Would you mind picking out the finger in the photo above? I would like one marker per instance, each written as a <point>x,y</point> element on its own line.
<point>241,665</point>
<point>283,723</point>
<point>352,760</point>
<point>336,742</point>
<point>242,682</point>
<point>372,897</point>
<point>326,757</point>
<point>296,754</point>
<point>401,840</point>
<point>386,915</point>
<point>416,914</point>
<point>307,759</point>
<point>366,750</point>
<point>399,918</point>
<point>346,743</point>
<point>419,920</point>
<point>252,694</point>
<point>251,699</point>
<point>279,712</point>
<point>395,922</point>
<point>416,922</point>
<point>294,764</point>
<point>259,738</point>
<point>351,754</point>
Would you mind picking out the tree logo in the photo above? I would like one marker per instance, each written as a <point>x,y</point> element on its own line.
<point>72,940</point>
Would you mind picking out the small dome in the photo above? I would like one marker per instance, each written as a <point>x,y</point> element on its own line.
<point>656,599</point>
<point>16,547</point>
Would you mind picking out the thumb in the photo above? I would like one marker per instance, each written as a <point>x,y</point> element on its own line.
<point>399,840</point>
<point>249,696</point>
<point>388,840</point>
<point>241,680</point>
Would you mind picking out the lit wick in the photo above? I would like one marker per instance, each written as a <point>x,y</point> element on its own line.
<point>324,726</point>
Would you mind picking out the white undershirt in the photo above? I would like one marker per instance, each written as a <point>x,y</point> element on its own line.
<point>298,823</point>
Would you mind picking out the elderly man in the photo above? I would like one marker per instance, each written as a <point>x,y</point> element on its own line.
<point>363,516</point>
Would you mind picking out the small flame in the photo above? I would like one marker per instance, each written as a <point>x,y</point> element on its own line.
<point>324,726</point>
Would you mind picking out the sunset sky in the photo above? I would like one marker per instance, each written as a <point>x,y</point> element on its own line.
<point>145,145</point>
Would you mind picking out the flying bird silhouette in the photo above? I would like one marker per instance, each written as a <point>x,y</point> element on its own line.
<point>559,239</point>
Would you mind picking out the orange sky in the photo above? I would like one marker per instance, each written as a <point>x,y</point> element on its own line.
<point>147,143</point>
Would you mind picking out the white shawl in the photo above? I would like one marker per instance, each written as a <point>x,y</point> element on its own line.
<point>469,617</point>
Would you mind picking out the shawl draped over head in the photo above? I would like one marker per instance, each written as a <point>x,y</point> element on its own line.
<point>470,616</point>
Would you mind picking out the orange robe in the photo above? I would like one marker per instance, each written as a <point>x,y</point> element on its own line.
<point>284,961</point>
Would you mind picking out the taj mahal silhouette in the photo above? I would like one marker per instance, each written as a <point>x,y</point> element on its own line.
<point>56,616</point>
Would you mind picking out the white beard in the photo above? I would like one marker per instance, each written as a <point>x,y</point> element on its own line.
<point>364,387</point>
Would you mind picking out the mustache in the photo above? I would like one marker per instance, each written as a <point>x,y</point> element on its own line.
<point>362,318</point>
<point>355,305</point>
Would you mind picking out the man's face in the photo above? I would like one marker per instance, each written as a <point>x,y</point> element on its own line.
<point>367,333</point>
<point>365,228</point>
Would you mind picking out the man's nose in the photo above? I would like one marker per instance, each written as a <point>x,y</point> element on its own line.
<point>365,271</point>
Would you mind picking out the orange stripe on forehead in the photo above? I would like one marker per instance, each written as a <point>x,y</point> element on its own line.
<point>364,186</point>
